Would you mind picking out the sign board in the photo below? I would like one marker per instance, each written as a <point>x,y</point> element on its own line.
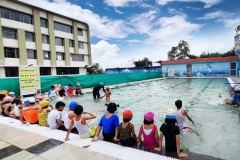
<point>29,80</point>
<point>237,45</point>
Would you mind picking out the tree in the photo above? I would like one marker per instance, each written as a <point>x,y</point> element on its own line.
<point>95,69</point>
<point>180,52</point>
<point>237,29</point>
<point>145,62</point>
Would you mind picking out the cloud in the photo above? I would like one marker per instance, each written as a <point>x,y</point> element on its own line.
<point>119,3</point>
<point>217,14</point>
<point>176,12</point>
<point>89,4</point>
<point>100,26</point>
<point>222,16</point>
<point>193,8</point>
<point>116,10</point>
<point>208,3</point>
<point>108,55</point>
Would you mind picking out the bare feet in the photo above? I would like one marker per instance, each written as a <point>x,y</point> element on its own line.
<point>219,95</point>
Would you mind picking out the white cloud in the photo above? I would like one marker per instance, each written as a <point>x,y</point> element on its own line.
<point>116,10</point>
<point>89,4</point>
<point>176,12</point>
<point>222,16</point>
<point>217,14</point>
<point>194,8</point>
<point>119,3</point>
<point>208,3</point>
<point>100,27</point>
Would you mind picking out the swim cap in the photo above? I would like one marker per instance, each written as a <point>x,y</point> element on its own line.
<point>170,113</point>
<point>101,83</point>
<point>7,99</point>
<point>11,93</point>
<point>107,88</point>
<point>43,103</point>
<point>29,100</point>
<point>72,105</point>
<point>149,116</point>
<point>127,114</point>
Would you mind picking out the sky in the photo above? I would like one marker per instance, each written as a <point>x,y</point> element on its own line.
<point>123,31</point>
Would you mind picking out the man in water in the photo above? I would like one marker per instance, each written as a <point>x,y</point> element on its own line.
<point>96,94</point>
<point>234,99</point>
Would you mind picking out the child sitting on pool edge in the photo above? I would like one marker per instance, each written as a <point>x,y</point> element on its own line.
<point>126,130</point>
<point>43,112</point>
<point>80,123</point>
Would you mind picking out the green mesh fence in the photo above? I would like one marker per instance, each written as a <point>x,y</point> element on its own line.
<point>86,81</point>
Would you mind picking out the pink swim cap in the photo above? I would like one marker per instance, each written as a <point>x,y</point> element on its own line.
<point>149,116</point>
<point>7,99</point>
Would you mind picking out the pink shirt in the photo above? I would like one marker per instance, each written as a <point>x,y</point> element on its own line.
<point>150,140</point>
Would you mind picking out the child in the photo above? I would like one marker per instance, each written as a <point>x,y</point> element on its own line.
<point>43,112</point>
<point>12,94</point>
<point>55,116</point>
<point>180,116</point>
<point>29,114</point>
<point>81,124</point>
<point>17,102</point>
<point>126,130</point>
<point>38,95</point>
<point>69,115</point>
<point>234,99</point>
<point>149,131</point>
<point>7,107</point>
<point>110,123</point>
<point>61,92</point>
<point>78,90</point>
<point>52,94</point>
<point>108,93</point>
<point>171,132</point>
<point>70,90</point>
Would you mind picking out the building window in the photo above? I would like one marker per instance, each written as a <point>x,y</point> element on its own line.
<point>77,57</point>
<point>31,54</point>
<point>16,16</point>
<point>30,36</point>
<point>71,43</point>
<point>45,71</point>
<point>80,32</point>
<point>80,45</point>
<point>11,72</point>
<point>62,27</point>
<point>45,39</point>
<point>44,23</point>
<point>11,52</point>
<point>46,55</point>
<point>59,41</point>
<point>60,56</point>
<point>9,33</point>
<point>66,71</point>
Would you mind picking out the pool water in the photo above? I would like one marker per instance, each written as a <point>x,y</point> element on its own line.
<point>217,124</point>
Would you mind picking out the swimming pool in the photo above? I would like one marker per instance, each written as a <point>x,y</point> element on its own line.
<point>217,124</point>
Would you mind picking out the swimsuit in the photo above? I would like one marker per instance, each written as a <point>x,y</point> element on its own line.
<point>150,140</point>
<point>181,120</point>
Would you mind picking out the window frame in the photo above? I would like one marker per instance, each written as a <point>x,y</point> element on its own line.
<point>63,27</point>
<point>4,29</point>
<point>8,71</point>
<point>49,55</point>
<point>67,70</point>
<point>62,43</point>
<point>80,31</point>
<point>80,59</point>
<point>43,35</point>
<point>45,70</point>
<point>6,52</point>
<point>32,38</point>
<point>62,54</point>
<point>34,53</point>
<point>71,42</point>
<point>79,46</point>
<point>45,22</point>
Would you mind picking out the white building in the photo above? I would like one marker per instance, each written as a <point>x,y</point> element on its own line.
<point>59,45</point>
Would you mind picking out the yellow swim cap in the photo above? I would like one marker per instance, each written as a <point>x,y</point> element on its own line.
<point>43,103</point>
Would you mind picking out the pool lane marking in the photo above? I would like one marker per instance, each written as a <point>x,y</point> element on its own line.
<point>179,84</point>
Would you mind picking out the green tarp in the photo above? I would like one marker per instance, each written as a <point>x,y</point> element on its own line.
<point>86,81</point>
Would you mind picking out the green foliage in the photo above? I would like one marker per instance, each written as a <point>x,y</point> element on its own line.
<point>143,63</point>
<point>179,52</point>
<point>237,29</point>
<point>95,69</point>
<point>216,54</point>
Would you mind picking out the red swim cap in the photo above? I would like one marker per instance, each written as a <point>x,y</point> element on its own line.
<point>127,114</point>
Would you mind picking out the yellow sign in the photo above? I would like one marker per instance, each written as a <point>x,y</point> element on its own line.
<point>29,79</point>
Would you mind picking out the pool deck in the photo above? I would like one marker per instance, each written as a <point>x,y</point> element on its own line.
<point>18,141</point>
<point>234,80</point>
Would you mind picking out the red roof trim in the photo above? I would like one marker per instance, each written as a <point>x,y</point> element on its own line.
<point>215,59</point>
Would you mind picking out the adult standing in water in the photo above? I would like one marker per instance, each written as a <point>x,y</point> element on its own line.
<point>96,89</point>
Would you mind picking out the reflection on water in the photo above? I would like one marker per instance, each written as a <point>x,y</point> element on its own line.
<point>217,124</point>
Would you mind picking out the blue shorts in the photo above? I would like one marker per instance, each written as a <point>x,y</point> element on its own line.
<point>53,97</point>
<point>234,102</point>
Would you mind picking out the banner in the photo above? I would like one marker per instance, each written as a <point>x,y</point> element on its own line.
<point>29,80</point>
<point>237,45</point>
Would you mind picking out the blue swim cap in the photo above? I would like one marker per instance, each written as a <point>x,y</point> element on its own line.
<point>170,116</point>
<point>72,105</point>
<point>101,83</point>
